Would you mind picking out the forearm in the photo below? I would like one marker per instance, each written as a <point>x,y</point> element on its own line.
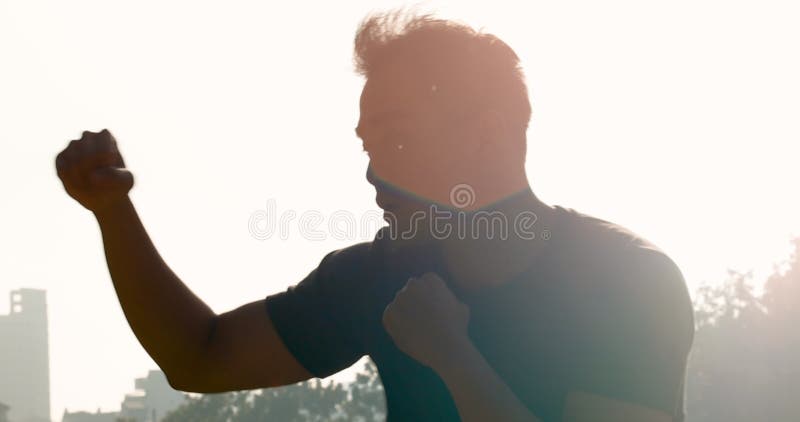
<point>172,323</point>
<point>479,393</point>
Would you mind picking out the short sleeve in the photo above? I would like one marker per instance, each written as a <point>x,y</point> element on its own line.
<point>318,318</point>
<point>642,336</point>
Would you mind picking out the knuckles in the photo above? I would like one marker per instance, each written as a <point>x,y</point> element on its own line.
<point>416,289</point>
<point>432,278</point>
<point>425,282</point>
<point>388,315</point>
<point>90,145</point>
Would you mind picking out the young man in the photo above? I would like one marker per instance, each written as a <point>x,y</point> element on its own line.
<point>477,303</point>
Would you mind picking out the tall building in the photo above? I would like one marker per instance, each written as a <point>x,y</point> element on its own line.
<point>24,358</point>
<point>151,402</point>
<point>154,398</point>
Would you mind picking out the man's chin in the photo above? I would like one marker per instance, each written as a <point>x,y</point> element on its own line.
<point>397,218</point>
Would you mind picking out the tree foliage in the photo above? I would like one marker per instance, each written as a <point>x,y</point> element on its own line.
<point>745,363</point>
<point>310,401</point>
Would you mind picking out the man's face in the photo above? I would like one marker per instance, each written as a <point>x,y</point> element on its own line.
<point>416,150</point>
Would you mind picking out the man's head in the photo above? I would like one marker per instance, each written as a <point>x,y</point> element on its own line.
<point>443,106</point>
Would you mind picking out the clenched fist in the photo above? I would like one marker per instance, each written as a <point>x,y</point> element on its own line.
<point>427,321</point>
<point>93,172</point>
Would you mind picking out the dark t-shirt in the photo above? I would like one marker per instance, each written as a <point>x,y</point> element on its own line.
<point>600,310</point>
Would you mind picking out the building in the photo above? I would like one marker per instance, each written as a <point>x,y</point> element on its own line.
<point>3,413</point>
<point>24,358</point>
<point>90,417</point>
<point>151,401</point>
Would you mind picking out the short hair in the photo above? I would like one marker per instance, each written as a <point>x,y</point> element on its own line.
<point>482,71</point>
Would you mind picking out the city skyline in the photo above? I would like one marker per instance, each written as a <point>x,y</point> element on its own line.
<point>25,357</point>
<point>25,372</point>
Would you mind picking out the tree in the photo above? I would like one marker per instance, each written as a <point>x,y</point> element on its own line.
<point>308,401</point>
<point>367,402</point>
<point>744,365</point>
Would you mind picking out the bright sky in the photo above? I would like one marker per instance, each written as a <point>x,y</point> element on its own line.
<point>675,119</point>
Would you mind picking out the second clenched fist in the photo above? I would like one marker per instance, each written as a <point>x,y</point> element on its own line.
<point>426,320</point>
<point>92,170</point>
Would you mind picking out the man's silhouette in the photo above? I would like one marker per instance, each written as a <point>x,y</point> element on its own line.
<point>477,302</point>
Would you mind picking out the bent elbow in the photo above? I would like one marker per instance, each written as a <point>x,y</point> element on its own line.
<point>179,382</point>
<point>182,381</point>
<point>192,383</point>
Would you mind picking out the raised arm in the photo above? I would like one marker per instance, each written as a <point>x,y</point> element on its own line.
<point>197,349</point>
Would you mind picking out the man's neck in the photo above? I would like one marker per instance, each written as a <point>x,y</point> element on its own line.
<point>491,253</point>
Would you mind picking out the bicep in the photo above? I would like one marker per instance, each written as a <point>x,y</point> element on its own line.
<point>309,330</point>
<point>246,352</point>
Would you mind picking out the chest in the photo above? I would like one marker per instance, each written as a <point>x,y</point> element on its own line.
<point>521,331</point>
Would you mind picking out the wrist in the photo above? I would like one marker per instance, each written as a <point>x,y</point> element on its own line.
<point>458,354</point>
<point>112,208</point>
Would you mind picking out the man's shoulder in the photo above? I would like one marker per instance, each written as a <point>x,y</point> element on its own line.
<point>593,233</point>
<point>354,260</point>
<point>632,309</point>
<point>603,248</point>
<point>626,274</point>
<point>347,258</point>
